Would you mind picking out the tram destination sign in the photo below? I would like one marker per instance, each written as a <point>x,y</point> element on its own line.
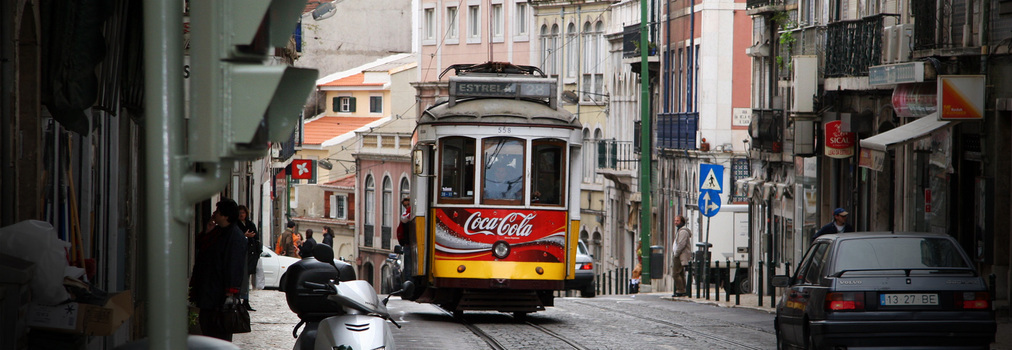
<point>501,88</point>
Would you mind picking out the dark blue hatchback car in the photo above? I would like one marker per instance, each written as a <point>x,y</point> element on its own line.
<point>902,290</point>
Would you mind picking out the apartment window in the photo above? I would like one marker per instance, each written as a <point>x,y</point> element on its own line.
<point>430,24</point>
<point>473,23</point>
<point>451,22</point>
<point>572,46</point>
<point>593,67</point>
<point>339,206</point>
<point>521,18</point>
<point>497,21</point>
<point>388,215</point>
<point>546,50</point>
<point>370,211</point>
<point>549,48</point>
<point>405,190</point>
<point>343,104</point>
<point>375,104</point>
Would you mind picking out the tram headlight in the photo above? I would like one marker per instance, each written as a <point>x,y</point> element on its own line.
<point>501,249</point>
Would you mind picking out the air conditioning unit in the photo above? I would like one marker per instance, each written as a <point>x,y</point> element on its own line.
<point>904,36</point>
<point>888,45</point>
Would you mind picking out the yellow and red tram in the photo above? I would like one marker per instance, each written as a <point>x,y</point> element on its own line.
<point>496,192</point>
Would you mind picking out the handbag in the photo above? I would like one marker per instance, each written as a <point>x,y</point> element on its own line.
<point>235,319</point>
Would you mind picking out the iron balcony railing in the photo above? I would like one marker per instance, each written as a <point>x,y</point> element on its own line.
<point>677,130</point>
<point>853,46</point>
<point>751,4</point>
<point>368,232</point>
<point>615,155</point>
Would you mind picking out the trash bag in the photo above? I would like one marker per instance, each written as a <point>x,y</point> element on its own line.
<point>36,242</point>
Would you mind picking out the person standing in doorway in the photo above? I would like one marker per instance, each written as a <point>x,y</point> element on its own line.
<point>838,225</point>
<point>681,255</point>
<point>253,251</point>
<point>218,268</point>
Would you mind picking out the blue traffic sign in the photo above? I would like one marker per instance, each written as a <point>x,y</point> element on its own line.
<point>709,203</point>
<point>711,177</point>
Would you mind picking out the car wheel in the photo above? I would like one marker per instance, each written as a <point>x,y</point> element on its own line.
<point>781,342</point>
<point>588,292</point>
<point>810,340</point>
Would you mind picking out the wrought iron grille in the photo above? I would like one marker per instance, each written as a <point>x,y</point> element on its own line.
<point>677,130</point>
<point>368,232</point>
<point>385,237</point>
<point>617,155</point>
<point>853,46</point>
<point>760,3</point>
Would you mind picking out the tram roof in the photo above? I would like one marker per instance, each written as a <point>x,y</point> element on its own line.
<point>498,110</point>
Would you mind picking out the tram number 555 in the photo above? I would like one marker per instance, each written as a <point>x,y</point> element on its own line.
<point>505,130</point>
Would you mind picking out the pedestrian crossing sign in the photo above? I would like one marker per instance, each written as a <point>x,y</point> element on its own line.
<point>711,177</point>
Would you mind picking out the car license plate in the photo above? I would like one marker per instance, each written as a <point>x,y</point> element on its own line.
<point>908,299</point>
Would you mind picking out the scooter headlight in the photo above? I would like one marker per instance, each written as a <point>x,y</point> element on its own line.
<point>501,249</point>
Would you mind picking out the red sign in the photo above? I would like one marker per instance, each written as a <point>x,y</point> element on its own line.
<point>302,169</point>
<point>839,144</point>
<point>533,235</point>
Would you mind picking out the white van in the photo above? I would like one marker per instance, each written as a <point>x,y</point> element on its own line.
<point>730,245</point>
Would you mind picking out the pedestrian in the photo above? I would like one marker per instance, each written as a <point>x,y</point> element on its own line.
<point>328,236</point>
<point>286,243</point>
<point>253,251</point>
<point>838,225</point>
<point>306,249</point>
<point>637,273</point>
<point>218,268</point>
<point>405,235</point>
<point>681,255</point>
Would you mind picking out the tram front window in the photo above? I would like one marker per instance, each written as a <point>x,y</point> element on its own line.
<point>503,171</point>
<point>456,183</point>
<point>549,171</point>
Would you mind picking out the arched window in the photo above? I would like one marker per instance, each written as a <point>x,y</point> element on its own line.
<point>405,190</point>
<point>553,66</point>
<point>572,47</point>
<point>388,212</point>
<point>546,49</point>
<point>368,230</point>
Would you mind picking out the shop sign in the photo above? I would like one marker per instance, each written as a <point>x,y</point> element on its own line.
<point>871,159</point>
<point>960,97</point>
<point>839,144</point>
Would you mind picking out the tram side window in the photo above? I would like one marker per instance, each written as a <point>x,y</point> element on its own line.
<point>503,171</point>
<point>456,183</point>
<point>549,173</point>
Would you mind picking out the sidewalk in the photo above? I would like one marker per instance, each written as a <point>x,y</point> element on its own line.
<point>1003,337</point>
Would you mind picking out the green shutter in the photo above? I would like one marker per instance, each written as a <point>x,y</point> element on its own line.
<point>351,104</point>
<point>336,104</point>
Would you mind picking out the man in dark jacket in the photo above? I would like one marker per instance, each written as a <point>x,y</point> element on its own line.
<point>253,250</point>
<point>218,267</point>
<point>838,225</point>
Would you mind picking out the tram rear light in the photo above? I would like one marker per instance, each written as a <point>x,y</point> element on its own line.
<point>461,268</point>
<point>540,270</point>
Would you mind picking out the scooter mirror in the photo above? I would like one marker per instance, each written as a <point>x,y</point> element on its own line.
<point>398,249</point>
<point>407,288</point>
<point>323,253</point>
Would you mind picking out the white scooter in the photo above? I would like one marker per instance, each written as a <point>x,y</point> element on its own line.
<point>337,313</point>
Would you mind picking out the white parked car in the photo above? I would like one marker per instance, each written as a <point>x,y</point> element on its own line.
<point>274,266</point>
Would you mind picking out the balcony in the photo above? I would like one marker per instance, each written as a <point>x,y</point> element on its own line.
<point>677,130</point>
<point>616,160</point>
<point>760,7</point>
<point>853,46</point>
<point>631,42</point>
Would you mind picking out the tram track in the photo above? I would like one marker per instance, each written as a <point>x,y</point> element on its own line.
<point>682,328</point>
<point>498,345</point>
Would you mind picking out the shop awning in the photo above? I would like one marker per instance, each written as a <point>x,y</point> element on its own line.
<point>905,133</point>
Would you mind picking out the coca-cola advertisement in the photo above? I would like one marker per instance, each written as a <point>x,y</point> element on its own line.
<point>839,144</point>
<point>533,235</point>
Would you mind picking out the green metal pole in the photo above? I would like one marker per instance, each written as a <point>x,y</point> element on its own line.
<point>166,243</point>
<point>646,151</point>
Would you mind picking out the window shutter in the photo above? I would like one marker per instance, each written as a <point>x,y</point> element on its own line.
<point>351,104</point>
<point>336,104</point>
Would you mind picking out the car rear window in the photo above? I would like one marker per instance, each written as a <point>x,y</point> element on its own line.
<point>898,253</point>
